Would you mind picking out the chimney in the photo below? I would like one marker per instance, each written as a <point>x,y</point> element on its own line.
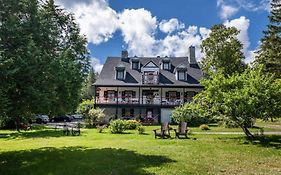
<point>191,58</point>
<point>124,55</point>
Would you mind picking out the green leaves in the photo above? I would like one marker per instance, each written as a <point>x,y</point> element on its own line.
<point>43,58</point>
<point>222,51</point>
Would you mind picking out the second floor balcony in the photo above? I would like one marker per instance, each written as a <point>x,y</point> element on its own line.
<point>142,101</point>
<point>150,78</point>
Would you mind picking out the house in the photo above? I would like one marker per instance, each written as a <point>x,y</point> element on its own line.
<point>146,88</point>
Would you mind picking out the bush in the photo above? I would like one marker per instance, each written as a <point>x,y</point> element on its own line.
<point>204,127</point>
<point>190,114</point>
<point>141,129</point>
<point>118,126</point>
<point>96,116</point>
<point>85,107</point>
<point>132,124</point>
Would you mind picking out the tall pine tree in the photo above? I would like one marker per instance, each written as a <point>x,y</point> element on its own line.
<point>270,50</point>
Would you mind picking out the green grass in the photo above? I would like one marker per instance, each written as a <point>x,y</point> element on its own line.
<point>48,152</point>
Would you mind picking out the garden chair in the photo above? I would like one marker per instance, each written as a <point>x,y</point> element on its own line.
<point>65,129</point>
<point>182,130</point>
<point>76,130</point>
<point>164,131</point>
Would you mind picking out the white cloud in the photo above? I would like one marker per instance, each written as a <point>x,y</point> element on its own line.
<point>171,25</point>
<point>138,27</point>
<point>97,66</point>
<point>95,18</point>
<point>227,11</point>
<point>204,32</point>
<point>242,24</point>
<point>230,7</point>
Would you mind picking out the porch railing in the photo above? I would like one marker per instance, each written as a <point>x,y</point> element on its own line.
<point>144,100</point>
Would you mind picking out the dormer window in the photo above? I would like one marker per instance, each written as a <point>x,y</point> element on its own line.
<point>120,72</point>
<point>166,66</point>
<point>181,73</point>
<point>135,63</point>
<point>166,63</point>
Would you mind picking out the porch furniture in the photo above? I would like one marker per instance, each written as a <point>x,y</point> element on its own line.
<point>65,129</point>
<point>182,130</point>
<point>76,130</point>
<point>164,131</point>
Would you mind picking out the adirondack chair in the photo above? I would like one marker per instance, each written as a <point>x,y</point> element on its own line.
<point>65,129</point>
<point>182,130</point>
<point>164,131</point>
<point>76,130</point>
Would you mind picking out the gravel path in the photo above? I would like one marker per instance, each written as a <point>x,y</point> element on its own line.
<point>239,133</point>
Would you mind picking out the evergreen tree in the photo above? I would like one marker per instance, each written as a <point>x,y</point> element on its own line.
<point>87,90</point>
<point>270,50</point>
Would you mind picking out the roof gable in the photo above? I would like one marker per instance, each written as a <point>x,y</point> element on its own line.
<point>150,64</point>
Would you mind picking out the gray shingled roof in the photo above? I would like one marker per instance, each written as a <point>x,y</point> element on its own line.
<point>134,77</point>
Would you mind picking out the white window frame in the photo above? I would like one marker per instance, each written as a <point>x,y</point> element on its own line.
<point>181,75</point>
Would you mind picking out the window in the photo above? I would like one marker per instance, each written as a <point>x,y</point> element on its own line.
<point>120,74</point>
<point>166,66</point>
<point>181,75</point>
<point>135,65</point>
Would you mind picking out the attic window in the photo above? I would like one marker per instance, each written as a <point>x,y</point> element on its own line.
<point>166,63</point>
<point>181,72</point>
<point>135,63</point>
<point>120,74</point>
<point>181,75</point>
<point>166,66</point>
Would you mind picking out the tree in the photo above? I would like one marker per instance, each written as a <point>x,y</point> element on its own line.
<point>87,90</point>
<point>242,97</point>
<point>222,51</point>
<point>84,108</point>
<point>43,58</point>
<point>270,50</point>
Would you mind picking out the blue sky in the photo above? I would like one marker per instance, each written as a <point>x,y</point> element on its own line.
<point>163,27</point>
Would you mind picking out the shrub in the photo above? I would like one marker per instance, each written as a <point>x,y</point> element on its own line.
<point>96,115</point>
<point>141,129</point>
<point>85,107</point>
<point>204,127</point>
<point>132,124</point>
<point>118,126</point>
<point>189,113</point>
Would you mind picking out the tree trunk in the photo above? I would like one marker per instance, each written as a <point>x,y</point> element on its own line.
<point>248,133</point>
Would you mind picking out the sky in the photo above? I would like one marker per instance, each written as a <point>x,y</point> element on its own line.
<point>163,27</point>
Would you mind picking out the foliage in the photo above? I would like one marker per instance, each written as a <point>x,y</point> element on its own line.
<point>141,129</point>
<point>96,116</point>
<point>132,124</point>
<point>87,90</point>
<point>84,107</point>
<point>270,49</point>
<point>190,113</point>
<point>43,58</point>
<point>222,51</point>
<point>118,126</point>
<point>242,97</point>
<point>204,127</point>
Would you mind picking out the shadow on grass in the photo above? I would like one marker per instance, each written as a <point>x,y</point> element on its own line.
<point>268,141</point>
<point>44,133</point>
<point>78,160</point>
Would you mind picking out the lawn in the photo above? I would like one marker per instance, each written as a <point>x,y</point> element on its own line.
<point>48,152</point>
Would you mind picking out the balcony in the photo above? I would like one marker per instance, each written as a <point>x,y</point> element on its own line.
<point>150,78</point>
<point>143,101</point>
